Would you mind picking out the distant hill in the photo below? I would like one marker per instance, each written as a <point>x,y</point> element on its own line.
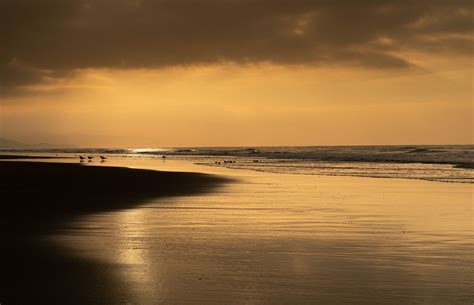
<point>10,144</point>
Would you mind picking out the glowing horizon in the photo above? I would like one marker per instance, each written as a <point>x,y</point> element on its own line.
<point>250,74</point>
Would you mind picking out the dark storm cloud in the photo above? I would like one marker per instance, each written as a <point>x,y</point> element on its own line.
<point>43,39</point>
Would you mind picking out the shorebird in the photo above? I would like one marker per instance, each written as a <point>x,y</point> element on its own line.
<point>103,158</point>
<point>164,157</point>
<point>82,158</point>
<point>90,157</point>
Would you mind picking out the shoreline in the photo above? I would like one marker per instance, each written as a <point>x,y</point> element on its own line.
<point>292,238</point>
<point>42,198</point>
<point>452,172</point>
<point>44,195</point>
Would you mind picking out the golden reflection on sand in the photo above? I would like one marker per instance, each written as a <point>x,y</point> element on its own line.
<point>281,239</point>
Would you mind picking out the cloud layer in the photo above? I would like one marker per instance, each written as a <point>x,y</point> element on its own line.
<point>48,39</point>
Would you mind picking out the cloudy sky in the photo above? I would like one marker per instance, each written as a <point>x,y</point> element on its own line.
<point>236,72</point>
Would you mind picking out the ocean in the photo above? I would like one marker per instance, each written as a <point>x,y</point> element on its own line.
<point>442,163</point>
<point>305,235</point>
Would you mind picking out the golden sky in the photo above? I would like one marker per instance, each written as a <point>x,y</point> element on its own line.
<point>236,73</point>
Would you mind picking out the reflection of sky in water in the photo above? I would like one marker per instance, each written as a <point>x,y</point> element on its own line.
<point>289,239</point>
<point>432,162</point>
<point>431,172</point>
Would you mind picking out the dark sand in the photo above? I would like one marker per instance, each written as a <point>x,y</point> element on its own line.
<point>39,198</point>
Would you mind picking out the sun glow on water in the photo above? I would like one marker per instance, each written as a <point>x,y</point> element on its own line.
<point>149,150</point>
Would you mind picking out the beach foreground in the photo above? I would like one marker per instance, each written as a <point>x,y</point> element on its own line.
<point>262,239</point>
<point>41,198</point>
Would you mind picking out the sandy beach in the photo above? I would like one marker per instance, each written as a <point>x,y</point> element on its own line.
<point>121,232</point>
<point>41,198</point>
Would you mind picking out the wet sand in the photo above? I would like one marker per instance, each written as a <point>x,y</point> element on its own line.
<point>262,239</point>
<point>41,198</point>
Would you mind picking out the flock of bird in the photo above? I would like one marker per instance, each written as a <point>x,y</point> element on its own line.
<point>103,158</point>
<point>230,161</point>
<point>225,161</point>
<point>84,158</point>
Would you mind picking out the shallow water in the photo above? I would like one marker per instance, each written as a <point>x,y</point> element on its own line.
<point>443,163</point>
<point>273,238</point>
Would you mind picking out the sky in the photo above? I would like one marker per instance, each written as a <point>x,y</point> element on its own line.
<point>142,73</point>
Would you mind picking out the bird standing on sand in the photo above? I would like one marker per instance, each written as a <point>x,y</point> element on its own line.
<point>82,158</point>
<point>103,158</point>
<point>164,157</point>
<point>90,157</point>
